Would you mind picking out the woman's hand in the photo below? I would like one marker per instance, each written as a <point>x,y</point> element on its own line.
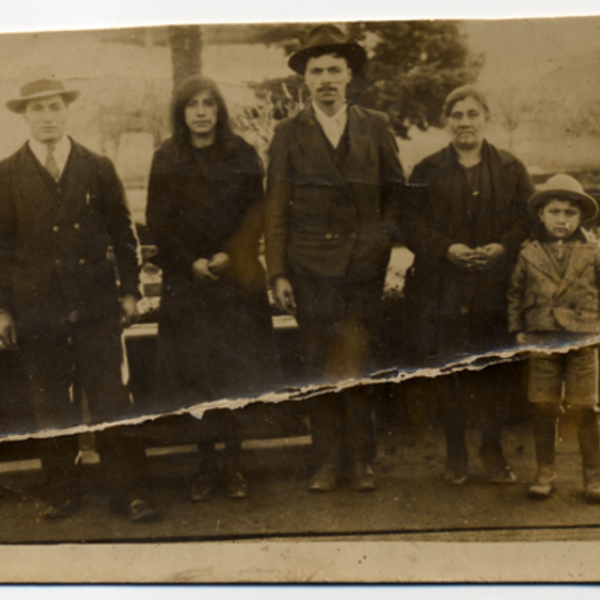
<point>129,309</point>
<point>8,330</point>
<point>494,253</point>
<point>201,270</point>
<point>218,263</point>
<point>467,258</point>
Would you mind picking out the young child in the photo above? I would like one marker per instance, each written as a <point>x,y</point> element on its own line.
<point>554,298</point>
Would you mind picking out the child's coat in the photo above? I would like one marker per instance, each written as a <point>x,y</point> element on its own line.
<point>540,299</point>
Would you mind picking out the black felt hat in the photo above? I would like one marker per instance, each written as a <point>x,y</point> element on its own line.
<point>328,39</point>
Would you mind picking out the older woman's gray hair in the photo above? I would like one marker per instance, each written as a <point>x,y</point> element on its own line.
<point>461,93</point>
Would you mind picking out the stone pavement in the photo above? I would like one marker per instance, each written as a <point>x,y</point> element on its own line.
<point>412,501</point>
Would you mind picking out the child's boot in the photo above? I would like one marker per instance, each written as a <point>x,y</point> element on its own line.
<point>544,435</point>
<point>588,432</point>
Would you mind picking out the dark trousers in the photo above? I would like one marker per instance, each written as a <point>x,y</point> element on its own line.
<point>468,393</point>
<point>337,324</point>
<point>86,356</point>
<point>216,425</point>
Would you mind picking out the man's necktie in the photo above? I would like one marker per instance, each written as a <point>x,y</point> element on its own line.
<point>51,165</point>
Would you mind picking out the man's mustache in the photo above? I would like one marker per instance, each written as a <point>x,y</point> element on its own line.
<point>326,88</point>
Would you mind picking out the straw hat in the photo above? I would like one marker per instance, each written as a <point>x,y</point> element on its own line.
<point>41,88</point>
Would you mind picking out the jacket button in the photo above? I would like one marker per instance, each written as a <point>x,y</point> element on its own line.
<point>55,229</point>
<point>464,310</point>
<point>57,261</point>
<point>76,226</point>
<point>353,235</point>
<point>82,261</point>
<point>328,236</point>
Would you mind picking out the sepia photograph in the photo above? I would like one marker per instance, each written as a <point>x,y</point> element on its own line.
<point>300,301</point>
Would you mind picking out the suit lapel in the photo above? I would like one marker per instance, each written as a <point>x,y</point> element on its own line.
<point>538,258</point>
<point>360,144</point>
<point>77,174</point>
<point>312,141</point>
<point>36,195</point>
<point>581,256</point>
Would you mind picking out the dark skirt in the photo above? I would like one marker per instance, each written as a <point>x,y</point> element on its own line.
<point>215,342</point>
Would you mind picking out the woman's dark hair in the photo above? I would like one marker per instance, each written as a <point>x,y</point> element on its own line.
<point>182,94</point>
<point>463,92</point>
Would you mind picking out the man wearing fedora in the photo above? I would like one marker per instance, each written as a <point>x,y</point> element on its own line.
<point>333,186</point>
<point>61,303</point>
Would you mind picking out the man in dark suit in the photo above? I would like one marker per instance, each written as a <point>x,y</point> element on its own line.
<point>61,207</point>
<point>333,186</point>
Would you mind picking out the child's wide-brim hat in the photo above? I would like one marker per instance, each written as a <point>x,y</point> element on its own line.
<point>564,187</point>
<point>39,89</point>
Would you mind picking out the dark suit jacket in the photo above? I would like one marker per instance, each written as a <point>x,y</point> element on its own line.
<point>54,239</point>
<point>324,221</point>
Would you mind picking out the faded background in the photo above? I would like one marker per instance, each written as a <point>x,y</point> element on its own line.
<point>540,75</point>
<point>115,13</point>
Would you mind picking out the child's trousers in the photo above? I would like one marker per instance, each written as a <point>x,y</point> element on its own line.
<point>578,369</point>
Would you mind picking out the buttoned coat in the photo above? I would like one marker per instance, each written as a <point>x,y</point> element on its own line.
<point>453,311</point>
<point>63,245</point>
<point>215,337</point>
<point>540,299</point>
<point>325,221</point>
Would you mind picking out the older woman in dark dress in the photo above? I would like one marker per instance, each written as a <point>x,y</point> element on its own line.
<point>205,213</point>
<point>465,223</point>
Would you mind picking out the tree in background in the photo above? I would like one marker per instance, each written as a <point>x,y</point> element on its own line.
<point>412,67</point>
<point>512,108</point>
<point>186,48</point>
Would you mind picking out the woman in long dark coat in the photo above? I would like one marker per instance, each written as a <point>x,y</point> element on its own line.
<point>205,213</point>
<point>465,223</point>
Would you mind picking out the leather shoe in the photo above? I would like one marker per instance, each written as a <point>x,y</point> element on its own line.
<point>136,509</point>
<point>456,477</point>
<point>363,478</point>
<point>544,484</point>
<point>203,488</point>
<point>497,469</point>
<point>592,488</point>
<point>62,508</point>
<point>141,510</point>
<point>235,485</point>
<point>324,480</point>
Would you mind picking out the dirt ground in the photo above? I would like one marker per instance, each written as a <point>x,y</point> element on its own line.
<point>412,501</point>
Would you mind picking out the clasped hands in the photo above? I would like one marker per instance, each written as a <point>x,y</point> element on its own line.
<point>213,268</point>
<point>475,259</point>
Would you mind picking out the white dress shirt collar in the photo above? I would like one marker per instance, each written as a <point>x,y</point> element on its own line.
<point>62,148</point>
<point>333,127</point>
